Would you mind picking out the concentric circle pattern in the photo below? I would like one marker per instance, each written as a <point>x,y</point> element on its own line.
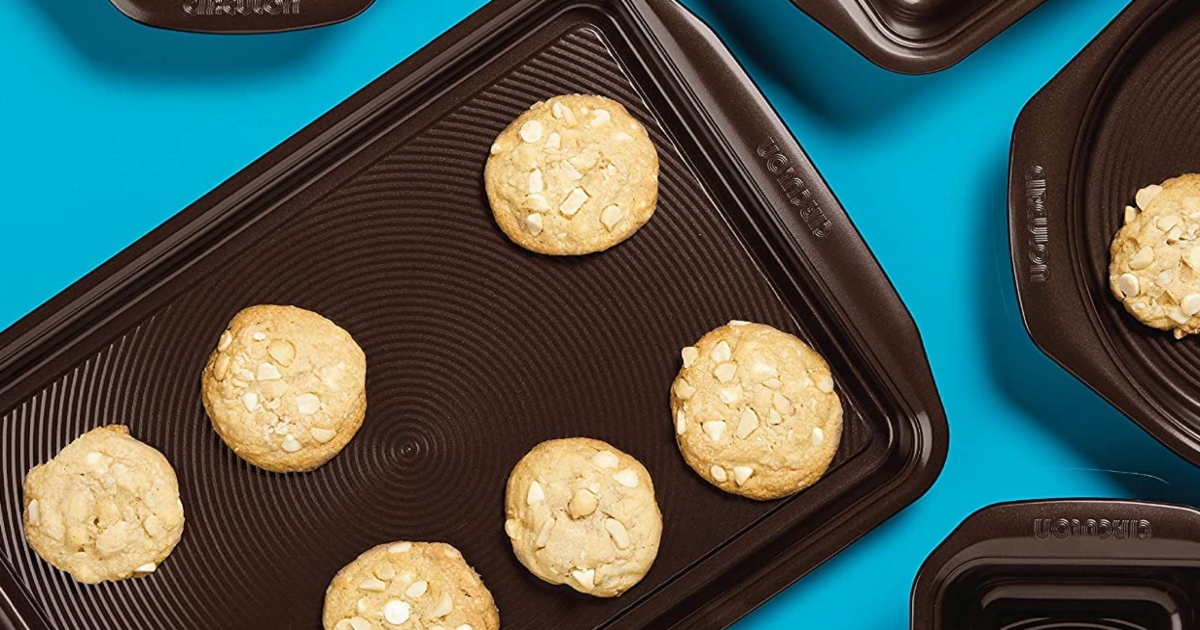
<point>477,351</point>
<point>1144,131</point>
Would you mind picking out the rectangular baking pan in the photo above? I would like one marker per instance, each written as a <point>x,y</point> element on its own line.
<point>239,16</point>
<point>1065,565</point>
<point>375,216</point>
<point>1119,117</point>
<point>917,36</point>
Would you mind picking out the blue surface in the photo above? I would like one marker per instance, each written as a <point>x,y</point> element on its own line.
<point>111,127</point>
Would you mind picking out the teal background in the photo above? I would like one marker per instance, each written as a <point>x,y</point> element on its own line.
<point>109,128</point>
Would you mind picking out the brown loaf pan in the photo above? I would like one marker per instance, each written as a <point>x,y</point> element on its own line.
<point>917,36</point>
<point>240,16</point>
<point>1121,116</point>
<point>1065,565</point>
<point>375,216</point>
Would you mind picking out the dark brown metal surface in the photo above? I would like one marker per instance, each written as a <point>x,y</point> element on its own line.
<point>917,36</point>
<point>1065,565</point>
<point>1125,114</point>
<point>375,216</point>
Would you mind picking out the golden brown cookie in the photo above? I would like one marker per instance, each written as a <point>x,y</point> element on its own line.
<point>1155,268</point>
<point>755,412</point>
<point>582,513</point>
<point>573,175</point>
<point>411,585</point>
<point>285,388</point>
<point>105,508</point>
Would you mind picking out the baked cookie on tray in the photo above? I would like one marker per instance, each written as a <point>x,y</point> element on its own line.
<point>417,585</point>
<point>105,508</point>
<point>755,411</point>
<point>285,388</point>
<point>1155,268</point>
<point>582,513</point>
<point>576,174</point>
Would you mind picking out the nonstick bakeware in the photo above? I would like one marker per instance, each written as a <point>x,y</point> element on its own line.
<point>917,36</point>
<point>1065,565</point>
<point>240,16</point>
<point>375,216</point>
<point>1121,116</point>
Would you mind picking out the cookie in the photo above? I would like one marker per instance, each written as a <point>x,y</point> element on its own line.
<point>285,388</point>
<point>582,513</point>
<point>755,412</point>
<point>414,585</point>
<point>105,508</point>
<point>573,175</point>
<point>1155,268</point>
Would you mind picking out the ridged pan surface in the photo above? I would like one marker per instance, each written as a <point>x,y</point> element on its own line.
<point>477,350</point>
<point>1121,117</point>
<point>917,36</point>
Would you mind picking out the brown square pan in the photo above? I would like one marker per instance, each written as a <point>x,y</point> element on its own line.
<point>917,36</point>
<point>375,215</point>
<point>1119,117</point>
<point>1065,565</point>
<point>240,16</point>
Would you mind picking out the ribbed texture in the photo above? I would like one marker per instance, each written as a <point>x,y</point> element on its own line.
<point>1147,132</point>
<point>477,351</point>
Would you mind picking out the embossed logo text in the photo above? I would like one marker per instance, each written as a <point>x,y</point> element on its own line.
<point>796,189</point>
<point>1038,224</point>
<point>241,7</point>
<point>1117,529</point>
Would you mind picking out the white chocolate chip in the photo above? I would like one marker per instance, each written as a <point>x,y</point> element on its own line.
<point>396,612</point>
<point>250,401</point>
<point>282,351</point>
<point>497,149</point>
<point>225,341</point>
<point>583,504</point>
<point>1147,195</point>
<point>221,367</point>
<point>531,131</point>
<point>732,394</point>
<point>585,577</point>
<point>721,352</point>
<point>573,202</point>
<point>1130,214</point>
<point>35,513</point>
<point>690,354</point>
<point>627,478</point>
<point>619,534</point>
<point>781,402</point>
<point>385,572</point>
<point>680,422</point>
<point>621,136</point>
<point>417,589</point>
<point>147,568</point>
<point>611,215</point>
<point>534,224</point>
<point>818,436</point>
<point>765,370</point>
<point>535,494</point>
<point>741,474</point>
<point>773,383</point>
<point>570,171</point>
<point>372,585</point>
<point>444,607</point>
<point>718,473</point>
<point>537,203</point>
<point>684,389</point>
<point>1190,304</point>
<point>605,459</point>
<point>260,336</point>
<point>725,372</point>
<point>290,445</point>
<point>268,372</point>
<point>774,417</point>
<point>553,141</point>
<point>559,110</point>
<point>1142,259</point>
<point>359,623</point>
<point>362,605</point>
<point>324,436</point>
<point>401,547</point>
<point>825,383</point>
<point>544,533</point>
<point>748,424</point>
<point>536,183</point>
<point>510,527</point>
<point>93,458</point>
<point>1129,285</point>
<point>599,117</point>
<point>714,429</point>
<point>465,626</point>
